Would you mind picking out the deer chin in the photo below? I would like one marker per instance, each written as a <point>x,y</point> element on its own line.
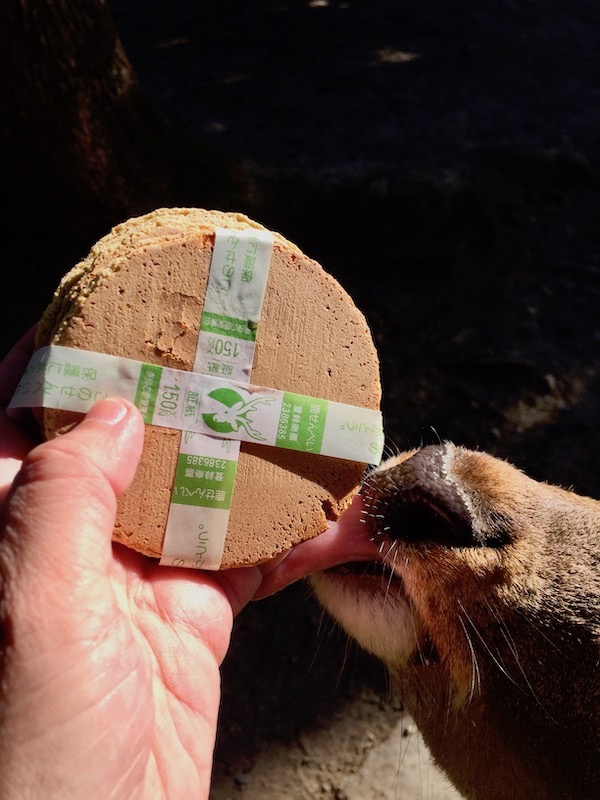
<point>369,602</point>
<point>368,598</point>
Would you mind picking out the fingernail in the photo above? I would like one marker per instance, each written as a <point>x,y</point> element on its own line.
<point>110,411</point>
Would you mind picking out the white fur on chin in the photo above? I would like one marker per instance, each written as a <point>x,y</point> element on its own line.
<point>379,618</point>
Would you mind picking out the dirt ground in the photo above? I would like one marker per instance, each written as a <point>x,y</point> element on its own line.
<point>441,160</point>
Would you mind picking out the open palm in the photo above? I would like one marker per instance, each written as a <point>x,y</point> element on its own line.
<point>109,663</point>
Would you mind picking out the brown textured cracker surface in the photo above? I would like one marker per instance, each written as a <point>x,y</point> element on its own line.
<point>139,294</point>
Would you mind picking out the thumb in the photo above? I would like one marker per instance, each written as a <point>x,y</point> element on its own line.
<point>61,510</point>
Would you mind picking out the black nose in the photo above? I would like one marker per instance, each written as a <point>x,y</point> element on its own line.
<point>416,501</point>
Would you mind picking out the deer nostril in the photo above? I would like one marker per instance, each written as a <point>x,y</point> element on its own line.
<point>415,501</point>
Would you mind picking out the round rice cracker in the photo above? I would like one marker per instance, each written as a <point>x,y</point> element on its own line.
<point>140,293</point>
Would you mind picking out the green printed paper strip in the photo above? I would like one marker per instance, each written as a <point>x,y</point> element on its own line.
<point>235,291</point>
<point>210,409</point>
<point>147,390</point>
<point>204,481</point>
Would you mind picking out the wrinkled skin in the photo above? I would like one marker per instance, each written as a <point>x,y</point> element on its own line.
<point>109,663</point>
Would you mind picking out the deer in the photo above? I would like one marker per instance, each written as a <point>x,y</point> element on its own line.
<point>479,588</point>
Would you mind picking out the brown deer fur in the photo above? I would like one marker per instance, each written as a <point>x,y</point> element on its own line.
<point>488,618</point>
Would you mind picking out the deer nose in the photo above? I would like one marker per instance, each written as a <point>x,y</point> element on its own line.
<point>416,502</point>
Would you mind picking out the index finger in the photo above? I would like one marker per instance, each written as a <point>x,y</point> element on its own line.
<point>347,539</point>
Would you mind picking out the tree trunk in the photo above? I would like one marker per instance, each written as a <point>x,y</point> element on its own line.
<point>78,130</point>
<point>83,147</point>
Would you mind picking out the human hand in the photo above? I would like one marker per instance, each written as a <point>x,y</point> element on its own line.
<point>109,663</point>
